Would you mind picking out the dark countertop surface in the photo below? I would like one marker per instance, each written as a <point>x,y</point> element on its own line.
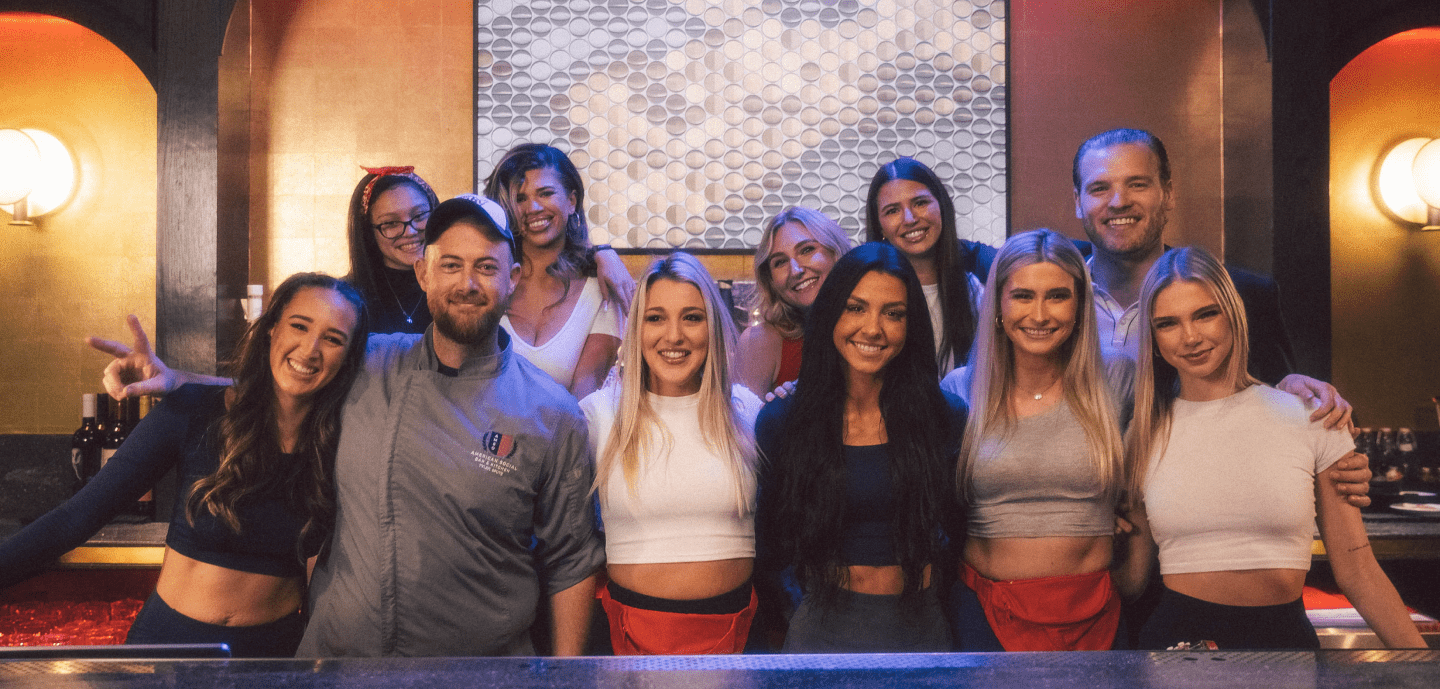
<point>1381,524</point>
<point>113,534</point>
<point>1096,670</point>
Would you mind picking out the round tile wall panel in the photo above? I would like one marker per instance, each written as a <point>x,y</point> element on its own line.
<point>695,120</point>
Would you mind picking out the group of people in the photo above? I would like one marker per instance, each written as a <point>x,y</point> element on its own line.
<point>969,449</point>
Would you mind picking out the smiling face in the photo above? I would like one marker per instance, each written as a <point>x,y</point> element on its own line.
<point>1193,334</point>
<point>467,278</point>
<point>871,329</point>
<point>798,264</point>
<point>402,202</point>
<point>909,217</point>
<point>674,338</point>
<point>1038,305</point>
<point>1121,200</point>
<point>543,208</point>
<point>309,341</point>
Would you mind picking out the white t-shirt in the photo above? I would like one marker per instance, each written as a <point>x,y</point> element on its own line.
<point>558,356</point>
<point>684,506</point>
<point>1235,487</point>
<point>937,315</point>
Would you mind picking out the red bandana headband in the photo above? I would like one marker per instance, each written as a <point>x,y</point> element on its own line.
<point>406,171</point>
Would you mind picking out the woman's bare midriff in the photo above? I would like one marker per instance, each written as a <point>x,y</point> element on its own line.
<point>881,581</point>
<point>683,580</point>
<point>217,595</point>
<point>1248,587</point>
<point>1009,559</point>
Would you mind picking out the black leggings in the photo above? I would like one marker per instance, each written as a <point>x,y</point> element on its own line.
<point>158,623</point>
<point>1179,617</point>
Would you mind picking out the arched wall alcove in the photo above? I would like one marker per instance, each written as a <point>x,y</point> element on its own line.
<point>79,269</point>
<point>1385,275</point>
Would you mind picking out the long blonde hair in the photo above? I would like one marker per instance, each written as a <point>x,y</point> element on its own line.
<point>992,363</point>
<point>630,438</point>
<point>780,314</point>
<point>1157,383</point>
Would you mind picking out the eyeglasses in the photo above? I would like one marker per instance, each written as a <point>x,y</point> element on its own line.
<point>391,229</point>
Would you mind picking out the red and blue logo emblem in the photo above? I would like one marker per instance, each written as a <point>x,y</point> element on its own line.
<point>498,444</point>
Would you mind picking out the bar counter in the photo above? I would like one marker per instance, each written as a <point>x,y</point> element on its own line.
<point>1094,670</point>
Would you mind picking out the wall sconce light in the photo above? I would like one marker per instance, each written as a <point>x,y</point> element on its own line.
<point>1408,182</point>
<point>37,174</point>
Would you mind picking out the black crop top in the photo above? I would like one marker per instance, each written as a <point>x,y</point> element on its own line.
<point>181,431</point>
<point>869,507</point>
<point>869,491</point>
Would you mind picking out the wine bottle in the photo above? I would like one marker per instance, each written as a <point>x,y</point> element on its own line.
<point>145,506</point>
<point>114,431</point>
<point>85,444</point>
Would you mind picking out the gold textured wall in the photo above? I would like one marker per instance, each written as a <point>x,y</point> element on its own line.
<point>336,84</point>
<point>695,120</point>
<point>78,270</point>
<point>1385,276</point>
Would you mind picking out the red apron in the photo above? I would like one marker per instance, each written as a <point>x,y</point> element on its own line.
<point>635,631</point>
<point>1077,612</point>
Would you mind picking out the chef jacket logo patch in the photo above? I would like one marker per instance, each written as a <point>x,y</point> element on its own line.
<point>497,447</point>
<point>498,444</point>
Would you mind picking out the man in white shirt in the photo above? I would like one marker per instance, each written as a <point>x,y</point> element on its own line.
<point>1123,197</point>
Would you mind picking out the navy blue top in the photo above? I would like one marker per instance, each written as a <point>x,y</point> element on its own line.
<point>181,430</point>
<point>870,502</point>
<point>869,506</point>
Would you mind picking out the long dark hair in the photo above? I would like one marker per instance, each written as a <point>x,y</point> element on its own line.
<point>367,264</point>
<point>805,504</point>
<point>958,325</point>
<point>250,460</point>
<point>575,259</point>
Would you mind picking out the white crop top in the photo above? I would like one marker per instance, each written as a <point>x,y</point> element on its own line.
<point>1235,487</point>
<point>592,315</point>
<point>684,505</point>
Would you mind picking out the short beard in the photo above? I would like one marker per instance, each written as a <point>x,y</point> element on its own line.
<point>1097,238</point>
<point>470,334</point>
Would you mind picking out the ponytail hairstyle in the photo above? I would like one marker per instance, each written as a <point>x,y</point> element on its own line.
<point>629,445</point>
<point>1082,378</point>
<point>251,463</point>
<point>1157,383</point>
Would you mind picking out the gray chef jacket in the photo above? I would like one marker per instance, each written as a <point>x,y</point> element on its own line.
<point>460,499</point>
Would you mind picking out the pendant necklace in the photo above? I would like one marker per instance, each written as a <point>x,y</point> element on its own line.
<point>411,312</point>
<point>1045,389</point>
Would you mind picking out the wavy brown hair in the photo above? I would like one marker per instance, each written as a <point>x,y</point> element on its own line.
<point>575,259</point>
<point>251,463</point>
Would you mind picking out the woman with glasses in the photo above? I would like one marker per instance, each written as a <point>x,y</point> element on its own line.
<point>558,318</point>
<point>386,228</point>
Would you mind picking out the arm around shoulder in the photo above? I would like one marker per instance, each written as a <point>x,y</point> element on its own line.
<point>759,357</point>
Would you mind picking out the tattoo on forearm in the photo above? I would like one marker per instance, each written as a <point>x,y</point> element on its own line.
<point>1359,547</point>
